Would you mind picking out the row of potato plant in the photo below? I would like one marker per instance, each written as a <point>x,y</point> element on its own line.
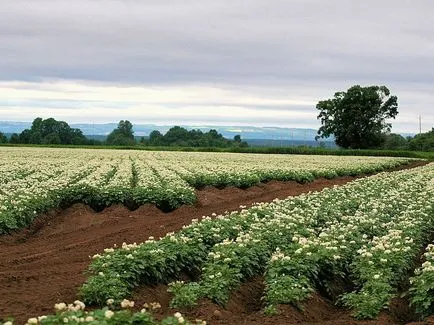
<point>232,261</point>
<point>422,284</point>
<point>356,242</point>
<point>34,180</point>
<point>119,269</point>
<point>309,234</point>
<point>75,313</point>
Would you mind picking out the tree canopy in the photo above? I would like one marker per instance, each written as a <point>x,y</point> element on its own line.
<point>50,131</point>
<point>3,138</point>
<point>122,135</point>
<point>179,136</point>
<point>357,117</point>
<point>14,139</point>
<point>423,141</point>
<point>395,141</point>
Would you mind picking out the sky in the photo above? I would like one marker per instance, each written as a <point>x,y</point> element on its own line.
<point>207,62</point>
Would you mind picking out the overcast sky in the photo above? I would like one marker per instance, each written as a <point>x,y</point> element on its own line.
<point>225,62</point>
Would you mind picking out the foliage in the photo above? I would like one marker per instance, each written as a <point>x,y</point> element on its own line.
<point>35,180</point>
<point>372,227</point>
<point>3,138</point>
<point>122,135</point>
<point>14,139</point>
<point>422,284</point>
<point>50,131</point>
<point>76,313</point>
<point>394,141</point>
<point>423,141</point>
<point>181,137</point>
<point>357,117</point>
<point>369,230</point>
<point>420,142</point>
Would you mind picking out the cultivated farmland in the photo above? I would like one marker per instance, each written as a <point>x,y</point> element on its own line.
<point>34,180</point>
<point>359,244</point>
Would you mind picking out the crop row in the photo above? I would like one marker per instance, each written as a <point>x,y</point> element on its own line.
<point>369,230</point>
<point>34,180</point>
<point>76,313</point>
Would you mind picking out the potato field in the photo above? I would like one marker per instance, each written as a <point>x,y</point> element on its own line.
<point>341,249</point>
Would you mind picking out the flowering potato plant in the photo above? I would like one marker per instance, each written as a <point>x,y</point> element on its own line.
<point>362,211</point>
<point>75,314</point>
<point>422,285</point>
<point>156,261</point>
<point>350,242</point>
<point>339,231</point>
<point>34,180</point>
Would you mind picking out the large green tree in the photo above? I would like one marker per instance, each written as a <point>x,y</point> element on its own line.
<point>122,135</point>
<point>357,117</point>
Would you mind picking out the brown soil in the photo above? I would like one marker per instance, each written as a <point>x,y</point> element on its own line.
<point>45,263</point>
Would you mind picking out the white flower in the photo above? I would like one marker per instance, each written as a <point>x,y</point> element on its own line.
<point>376,276</point>
<point>79,304</point>
<point>32,321</point>
<point>177,314</point>
<point>89,319</point>
<point>110,301</point>
<point>60,306</point>
<point>127,303</point>
<point>108,314</point>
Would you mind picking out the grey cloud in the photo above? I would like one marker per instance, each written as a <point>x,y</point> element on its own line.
<point>311,46</point>
<point>137,41</point>
<point>62,104</point>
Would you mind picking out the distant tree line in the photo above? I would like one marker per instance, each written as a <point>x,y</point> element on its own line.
<point>50,131</point>
<point>181,137</point>
<point>420,142</point>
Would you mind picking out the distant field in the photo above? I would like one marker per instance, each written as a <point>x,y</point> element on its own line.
<point>34,180</point>
<point>300,150</point>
